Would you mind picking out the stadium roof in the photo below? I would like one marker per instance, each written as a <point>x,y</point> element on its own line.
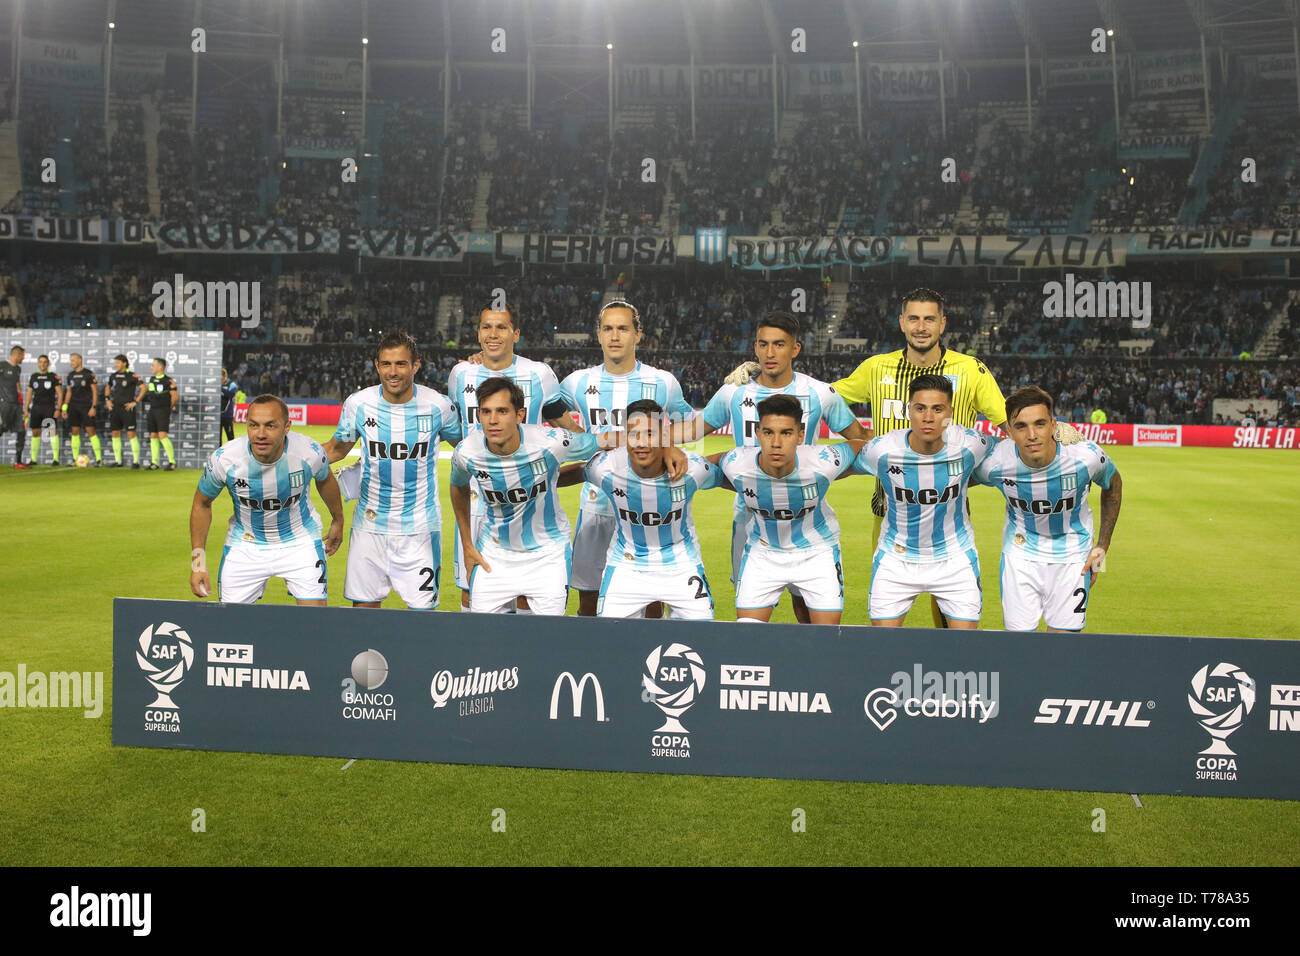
<point>669,30</point>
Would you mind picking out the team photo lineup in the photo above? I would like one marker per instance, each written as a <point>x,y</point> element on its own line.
<point>406,405</point>
<point>634,549</point>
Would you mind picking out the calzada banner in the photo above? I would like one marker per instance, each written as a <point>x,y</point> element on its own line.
<point>1122,713</point>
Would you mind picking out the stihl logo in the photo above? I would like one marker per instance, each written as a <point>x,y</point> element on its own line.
<point>1095,713</point>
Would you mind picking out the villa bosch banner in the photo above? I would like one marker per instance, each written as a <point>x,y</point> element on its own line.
<point>1092,712</point>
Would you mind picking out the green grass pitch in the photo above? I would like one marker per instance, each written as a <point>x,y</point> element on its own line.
<point>1192,555</point>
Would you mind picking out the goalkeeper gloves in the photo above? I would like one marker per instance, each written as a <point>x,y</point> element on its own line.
<point>1067,434</point>
<point>742,373</point>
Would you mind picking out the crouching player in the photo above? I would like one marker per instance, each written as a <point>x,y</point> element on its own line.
<point>275,531</point>
<point>522,547</point>
<point>1048,532</point>
<point>793,538</point>
<point>655,553</point>
<point>926,545</point>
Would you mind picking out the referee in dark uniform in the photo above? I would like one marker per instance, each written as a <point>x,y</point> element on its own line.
<point>44,394</point>
<point>11,401</point>
<point>160,398</point>
<point>80,396</point>
<point>122,391</point>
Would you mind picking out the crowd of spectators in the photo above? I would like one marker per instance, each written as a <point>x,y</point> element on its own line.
<point>411,150</point>
<point>1146,194</point>
<point>727,171</point>
<point>462,164</point>
<point>215,175</point>
<point>527,169</point>
<point>633,206</point>
<point>924,201</point>
<point>128,186</point>
<point>1272,201</point>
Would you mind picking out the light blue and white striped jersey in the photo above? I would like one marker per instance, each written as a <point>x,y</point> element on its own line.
<point>792,512</point>
<point>601,399</point>
<point>655,527</point>
<point>272,502</point>
<point>737,405</point>
<point>536,379</point>
<point>399,458</point>
<point>1048,518</point>
<point>925,519</point>
<point>519,490</point>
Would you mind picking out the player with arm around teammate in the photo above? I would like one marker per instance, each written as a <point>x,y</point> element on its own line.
<point>274,531</point>
<point>655,553</point>
<point>601,395</point>
<point>1049,561</point>
<point>776,346</point>
<point>926,544</point>
<point>793,538</point>
<point>522,547</point>
<point>396,538</point>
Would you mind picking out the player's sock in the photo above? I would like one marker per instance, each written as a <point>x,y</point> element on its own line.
<point>167,447</point>
<point>54,447</point>
<point>117,449</point>
<point>153,450</point>
<point>523,610</point>
<point>76,446</point>
<point>135,450</point>
<point>97,448</point>
<point>36,448</point>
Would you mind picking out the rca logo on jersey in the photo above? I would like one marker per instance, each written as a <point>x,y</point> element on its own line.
<point>1041,506</point>
<point>673,679</point>
<point>398,450</point>
<point>649,519</point>
<point>231,665</point>
<point>360,691</point>
<point>576,689</point>
<point>926,496</point>
<point>1095,713</point>
<point>474,692</point>
<point>741,691</point>
<point>1221,697</point>
<point>967,695</point>
<point>514,496</point>
<point>1169,435</point>
<point>1284,707</point>
<point>165,654</point>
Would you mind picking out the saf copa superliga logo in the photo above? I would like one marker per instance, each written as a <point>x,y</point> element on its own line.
<point>1221,696</point>
<point>165,654</point>
<point>673,679</point>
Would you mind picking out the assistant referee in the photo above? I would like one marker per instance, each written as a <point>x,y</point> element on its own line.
<point>882,381</point>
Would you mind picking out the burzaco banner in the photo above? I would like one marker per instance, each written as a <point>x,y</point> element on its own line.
<point>1094,712</point>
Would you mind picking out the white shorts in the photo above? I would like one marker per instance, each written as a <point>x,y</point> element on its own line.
<point>625,591</point>
<point>954,583</point>
<point>245,569</point>
<point>1034,589</point>
<point>815,576</point>
<point>590,546</point>
<point>409,564</point>
<point>458,563</point>
<point>541,576</point>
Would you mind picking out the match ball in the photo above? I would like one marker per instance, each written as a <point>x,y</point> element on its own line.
<point>83,461</point>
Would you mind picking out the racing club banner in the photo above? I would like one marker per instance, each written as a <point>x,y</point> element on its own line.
<point>1093,712</point>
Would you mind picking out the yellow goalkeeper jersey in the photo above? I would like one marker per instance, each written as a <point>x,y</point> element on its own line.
<point>882,382</point>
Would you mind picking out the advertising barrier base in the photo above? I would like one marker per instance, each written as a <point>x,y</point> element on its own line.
<point>1094,712</point>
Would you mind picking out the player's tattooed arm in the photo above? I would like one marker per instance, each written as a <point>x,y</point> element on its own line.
<point>1110,502</point>
<point>337,450</point>
<point>333,498</point>
<point>200,522</point>
<point>571,474</point>
<point>460,507</point>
